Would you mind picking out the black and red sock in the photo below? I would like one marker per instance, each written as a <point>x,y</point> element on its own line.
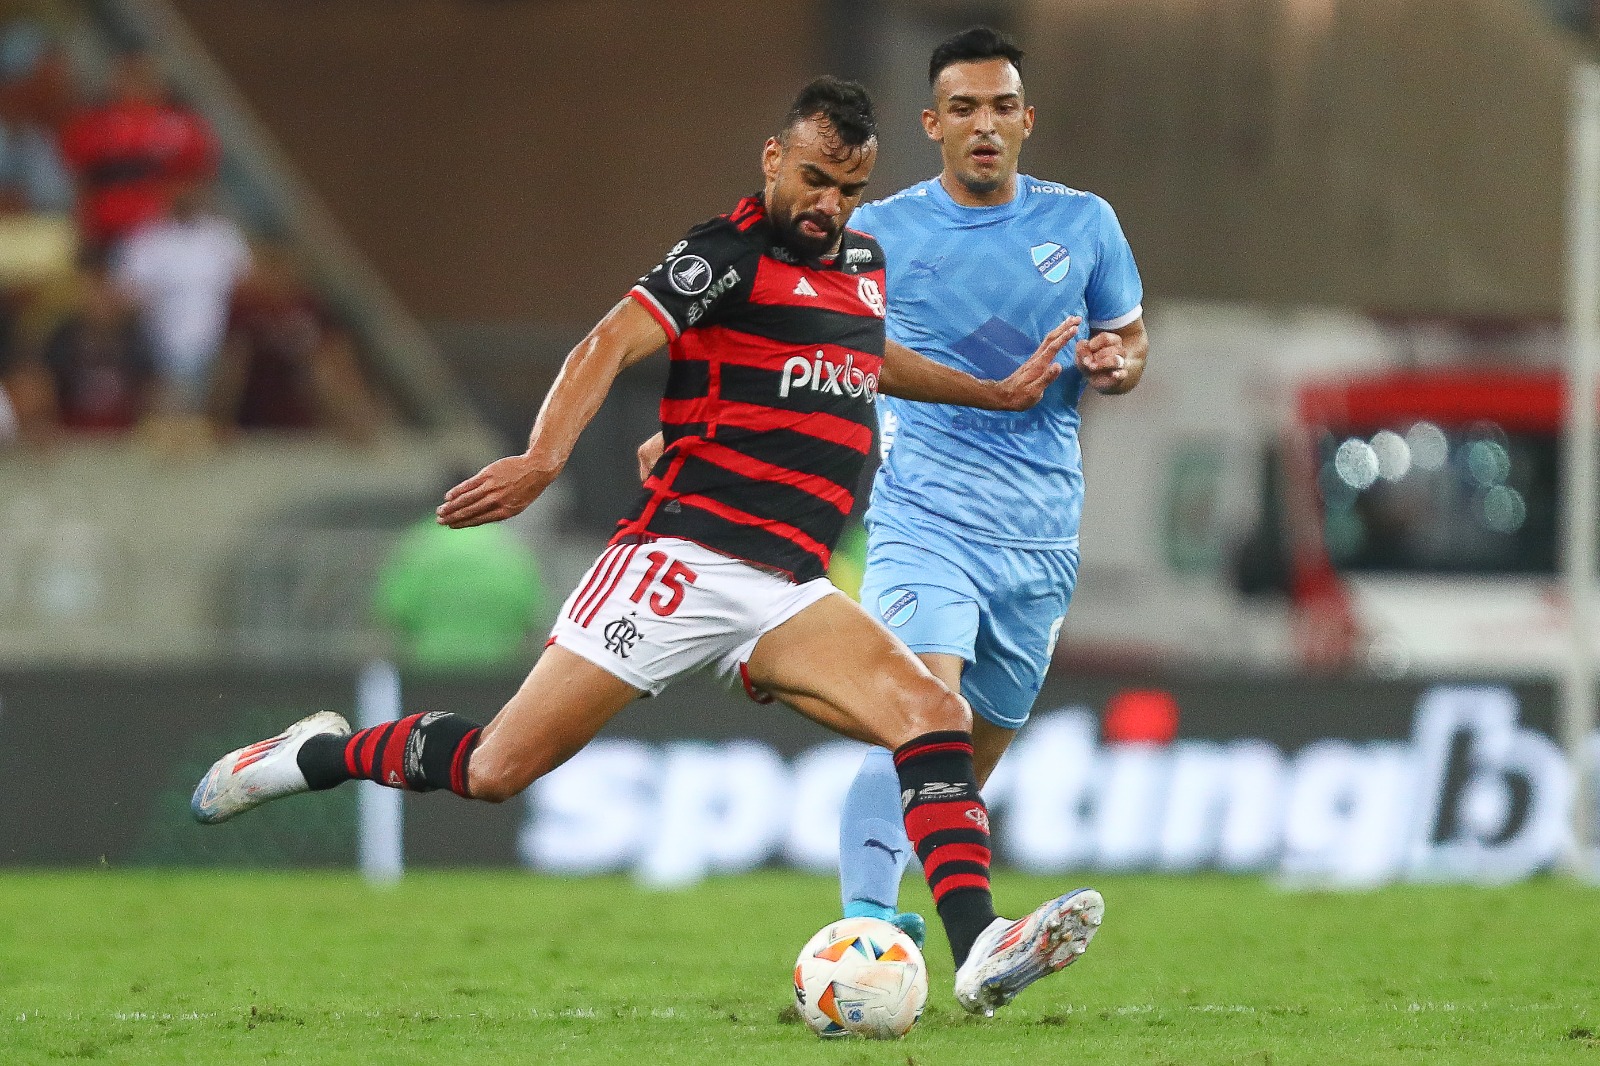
<point>949,826</point>
<point>419,753</point>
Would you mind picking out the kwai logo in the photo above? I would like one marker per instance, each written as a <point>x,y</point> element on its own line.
<point>820,374</point>
<point>699,307</point>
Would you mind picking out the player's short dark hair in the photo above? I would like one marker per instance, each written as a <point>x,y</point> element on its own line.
<point>843,105</point>
<point>978,43</point>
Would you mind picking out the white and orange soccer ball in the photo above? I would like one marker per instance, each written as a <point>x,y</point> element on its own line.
<point>860,976</point>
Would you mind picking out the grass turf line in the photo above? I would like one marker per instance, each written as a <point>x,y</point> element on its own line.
<point>470,967</point>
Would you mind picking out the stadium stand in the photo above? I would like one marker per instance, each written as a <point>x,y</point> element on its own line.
<point>1317,194</point>
<point>113,550</point>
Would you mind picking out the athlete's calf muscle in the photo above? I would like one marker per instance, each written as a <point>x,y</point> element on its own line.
<point>560,707</point>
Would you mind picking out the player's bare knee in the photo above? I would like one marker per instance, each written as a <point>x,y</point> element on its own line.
<point>493,779</point>
<point>949,711</point>
<point>929,707</point>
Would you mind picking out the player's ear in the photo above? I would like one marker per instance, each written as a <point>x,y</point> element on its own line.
<point>1027,122</point>
<point>771,153</point>
<point>930,124</point>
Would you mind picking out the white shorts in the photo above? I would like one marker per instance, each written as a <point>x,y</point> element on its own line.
<point>650,612</point>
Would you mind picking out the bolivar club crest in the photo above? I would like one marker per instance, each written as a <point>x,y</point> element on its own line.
<point>1052,260</point>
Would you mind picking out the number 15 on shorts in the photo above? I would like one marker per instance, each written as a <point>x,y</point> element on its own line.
<point>671,581</point>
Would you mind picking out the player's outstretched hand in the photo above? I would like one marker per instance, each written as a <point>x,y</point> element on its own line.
<point>1025,387</point>
<point>1103,360</point>
<point>649,453</point>
<point>503,488</point>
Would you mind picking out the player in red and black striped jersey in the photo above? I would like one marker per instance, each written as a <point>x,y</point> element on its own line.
<point>774,318</point>
<point>769,405</point>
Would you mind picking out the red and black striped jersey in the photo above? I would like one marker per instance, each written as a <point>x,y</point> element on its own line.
<point>769,406</point>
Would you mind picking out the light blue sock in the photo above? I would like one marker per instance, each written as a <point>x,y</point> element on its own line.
<point>873,849</point>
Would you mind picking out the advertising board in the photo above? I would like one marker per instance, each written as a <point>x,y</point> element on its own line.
<point>1328,782</point>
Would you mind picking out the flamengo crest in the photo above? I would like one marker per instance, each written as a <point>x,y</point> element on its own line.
<point>871,295</point>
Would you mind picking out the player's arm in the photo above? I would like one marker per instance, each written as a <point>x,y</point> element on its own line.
<point>1112,360</point>
<point>506,486</point>
<point>910,375</point>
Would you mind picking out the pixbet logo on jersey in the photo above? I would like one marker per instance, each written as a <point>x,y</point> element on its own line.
<point>820,374</point>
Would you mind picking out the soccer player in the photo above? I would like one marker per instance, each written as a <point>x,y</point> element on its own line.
<point>774,316</point>
<point>973,525</point>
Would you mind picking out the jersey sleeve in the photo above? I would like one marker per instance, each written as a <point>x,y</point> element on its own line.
<point>1115,291</point>
<point>865,218</point>
<point>698,278</point>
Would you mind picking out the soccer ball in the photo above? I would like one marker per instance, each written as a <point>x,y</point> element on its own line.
<point>861,976</point>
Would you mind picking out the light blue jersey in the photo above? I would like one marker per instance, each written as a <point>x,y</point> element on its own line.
<point>977,288</point>
<point>972,546</point>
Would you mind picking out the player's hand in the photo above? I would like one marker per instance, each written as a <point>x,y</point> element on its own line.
<point>1025,387</point>
<point>649,452</point>
<point>503,488</point>
<point>1103,361</point>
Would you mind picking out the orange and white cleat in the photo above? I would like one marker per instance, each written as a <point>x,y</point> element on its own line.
<point>265,770</point>
<point>1009,955</point>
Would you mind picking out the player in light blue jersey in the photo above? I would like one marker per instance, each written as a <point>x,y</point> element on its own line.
<point>973,525</point>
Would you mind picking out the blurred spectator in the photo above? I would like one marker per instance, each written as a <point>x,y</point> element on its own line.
<point>36,233</point>
<point>286,364</point>
<point>460,598</point>
<point>180,272</point>
<point>36,97</point>
<point>10,426</point>
<point>134,151</point>
<point>97,367</point>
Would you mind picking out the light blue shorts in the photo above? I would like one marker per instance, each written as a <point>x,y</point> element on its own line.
<point>998,608</point>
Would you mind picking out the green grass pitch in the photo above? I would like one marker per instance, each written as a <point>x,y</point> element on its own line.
<point>501,968</point>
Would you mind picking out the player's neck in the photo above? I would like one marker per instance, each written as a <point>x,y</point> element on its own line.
<point>967,198</point>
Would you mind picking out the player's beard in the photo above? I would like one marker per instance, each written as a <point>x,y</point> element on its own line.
<point>804,246</point>
<point>979,183</point>
<point>981,186</point>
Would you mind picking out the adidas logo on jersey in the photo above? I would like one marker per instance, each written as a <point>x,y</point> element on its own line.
<point>804,288</point>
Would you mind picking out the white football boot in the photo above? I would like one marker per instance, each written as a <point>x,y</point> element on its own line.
<point>1009,955</point>
<point>265,770</point>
